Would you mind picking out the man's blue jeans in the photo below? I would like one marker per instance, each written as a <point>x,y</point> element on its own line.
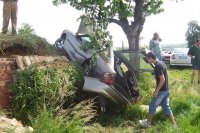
<point>159,56</point>
<point>163,100</point>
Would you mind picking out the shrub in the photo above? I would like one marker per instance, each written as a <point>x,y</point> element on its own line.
<point>70,120</point>
<point>38,89</point>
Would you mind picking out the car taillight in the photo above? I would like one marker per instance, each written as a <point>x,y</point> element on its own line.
<point>173,57</point>
<point>108,78</point>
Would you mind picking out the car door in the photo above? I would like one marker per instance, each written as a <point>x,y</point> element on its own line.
<point>127,71</point>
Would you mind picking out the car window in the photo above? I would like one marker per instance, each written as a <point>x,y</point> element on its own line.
<point>85,39</point>
<point>170,51</point>
<point>181,50</point>
<point>105,54</point>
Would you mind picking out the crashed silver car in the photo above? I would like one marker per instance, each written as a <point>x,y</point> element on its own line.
<point>113,77</point>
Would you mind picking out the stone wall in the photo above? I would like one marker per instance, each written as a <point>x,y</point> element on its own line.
<point>9,65</point>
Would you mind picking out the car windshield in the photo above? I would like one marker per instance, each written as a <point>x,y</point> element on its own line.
<point>104,52</point>
<point>181,50</point>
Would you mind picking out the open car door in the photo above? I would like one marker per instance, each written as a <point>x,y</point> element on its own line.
<point>136,60</point>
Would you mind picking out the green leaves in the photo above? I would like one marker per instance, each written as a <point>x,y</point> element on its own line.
<point>193,32</point>
<point>41,89</point>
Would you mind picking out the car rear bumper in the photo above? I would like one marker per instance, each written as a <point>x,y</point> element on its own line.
<point>180,64</point>
<point>94,85</point>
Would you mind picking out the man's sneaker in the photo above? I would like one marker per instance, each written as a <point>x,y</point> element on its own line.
<point>144,123</point>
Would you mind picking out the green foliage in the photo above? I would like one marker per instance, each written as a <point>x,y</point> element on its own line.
<point>46,123</point>
<point>193,32</point>
<point>71,120</point>
<point>103,12</point>
<point>195,120</point>
<point>26,29</point>
<point>135,112</point>
<point>181,106</point>
<point>146,84</point>
<point>39,89</point>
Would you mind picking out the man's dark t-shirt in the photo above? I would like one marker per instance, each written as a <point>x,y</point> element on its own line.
<point>160,69</point>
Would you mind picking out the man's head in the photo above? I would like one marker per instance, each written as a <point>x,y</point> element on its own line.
<point>151,57</point>
<point>198,42</point>
<point>156,36</point>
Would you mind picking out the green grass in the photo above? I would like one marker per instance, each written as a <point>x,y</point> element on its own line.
<point>185,104</point>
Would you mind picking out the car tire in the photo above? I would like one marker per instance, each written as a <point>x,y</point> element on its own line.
<point>59,43</point>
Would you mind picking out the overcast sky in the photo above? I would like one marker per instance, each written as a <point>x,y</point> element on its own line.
<point>49,21</point>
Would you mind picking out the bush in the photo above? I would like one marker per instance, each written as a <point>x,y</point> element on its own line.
<point>40,89</point>
<point>70,120</point>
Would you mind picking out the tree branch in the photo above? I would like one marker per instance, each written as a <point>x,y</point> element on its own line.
<point>112,20</point>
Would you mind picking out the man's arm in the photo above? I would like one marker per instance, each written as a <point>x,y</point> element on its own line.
<point>160,84</point>
<point>190,54</point>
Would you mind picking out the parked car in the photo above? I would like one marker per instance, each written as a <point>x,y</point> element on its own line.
<point>112,78</point>
<point>166,55</point>
<point>179,57</point>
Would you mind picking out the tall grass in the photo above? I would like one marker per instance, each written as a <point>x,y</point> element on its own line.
<point>71,120</point>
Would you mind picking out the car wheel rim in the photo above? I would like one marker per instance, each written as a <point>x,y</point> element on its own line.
<point>59,43</point>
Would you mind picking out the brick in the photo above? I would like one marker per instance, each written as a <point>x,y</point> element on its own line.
<point>2,83</point>
<point>8,68</point>
<point>32,59</point>
<point>50,59</point>
<point>42,58</point>
<point>64,58</point>
<point>14,67</point>
<point>19,61</point>
<point>6,77</point>
<point>4,95</point>
<point>56,57</point>
<point>27,61</point>
<point>36,58</point>
<point>2,67</point>
<point>7,62</point>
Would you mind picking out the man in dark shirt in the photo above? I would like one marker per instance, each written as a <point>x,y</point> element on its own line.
<point>194,53</point>
<point>161,93</point>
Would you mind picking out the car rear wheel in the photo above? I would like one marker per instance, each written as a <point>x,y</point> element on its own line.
<point>59,43</point>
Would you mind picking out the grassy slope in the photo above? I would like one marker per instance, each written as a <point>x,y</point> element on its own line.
<point>27,43</point>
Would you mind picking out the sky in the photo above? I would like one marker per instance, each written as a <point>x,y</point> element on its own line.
<point>49,21</point>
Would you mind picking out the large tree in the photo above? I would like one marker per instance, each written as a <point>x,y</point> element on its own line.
<point>128,14</point>
<point>193,32</point>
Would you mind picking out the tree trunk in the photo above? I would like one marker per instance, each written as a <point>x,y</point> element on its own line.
<point>133,35</point>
